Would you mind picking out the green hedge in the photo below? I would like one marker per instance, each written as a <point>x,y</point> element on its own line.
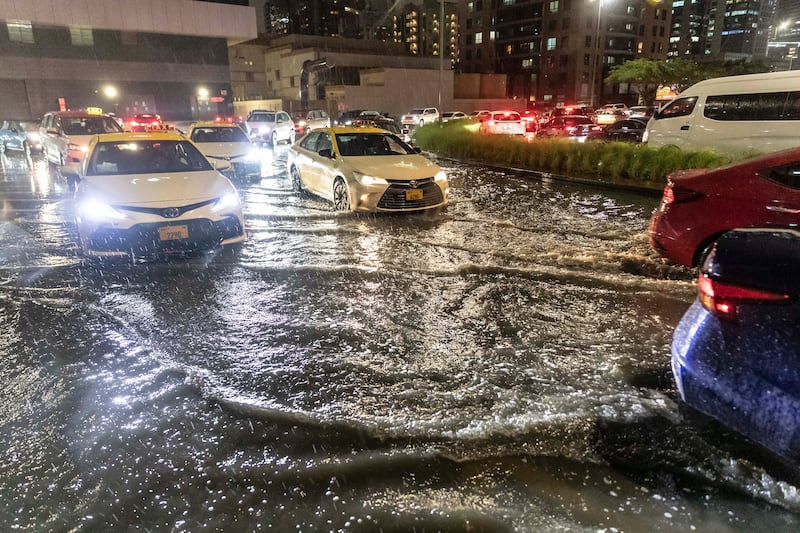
<point>602,161</point>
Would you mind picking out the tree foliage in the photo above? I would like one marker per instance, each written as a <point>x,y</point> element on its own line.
<point>645,75</point>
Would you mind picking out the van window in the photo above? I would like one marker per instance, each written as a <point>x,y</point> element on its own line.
<point>679,107</point>
<point>784,105</point>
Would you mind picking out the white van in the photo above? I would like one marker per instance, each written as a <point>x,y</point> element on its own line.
<point>754,113</point>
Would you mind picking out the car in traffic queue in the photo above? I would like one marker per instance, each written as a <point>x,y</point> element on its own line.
<point>366,169</point>
<point>532,119</point>
<point>503,122</point>
<point>14,137</point>
<point>447,116</point>
<point>420,116</point>
<point>305,121</point>
<point>572,127</point>
<point>627,130</point>
<point>227,143</point>
<point>374,119</point>
<point>151,195</point>
<point>698,205</point>
<point>65,135</point>
<point>607,116</point>
<point>736,350</point>
<point>270,127</point>
<point>146,122</point>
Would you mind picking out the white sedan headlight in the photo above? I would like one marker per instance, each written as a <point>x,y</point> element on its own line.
<point>263,129</point>
<point>98,211</point>
<point>229,201</point>
<point>440,176</point>
<point>366,179</point>
<point>254,154</point>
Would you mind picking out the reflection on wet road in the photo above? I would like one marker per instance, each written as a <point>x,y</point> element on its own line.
<point>500,366</point>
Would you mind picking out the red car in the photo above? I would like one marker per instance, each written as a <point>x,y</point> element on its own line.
<point>698,205</point>
<point>146,121</point>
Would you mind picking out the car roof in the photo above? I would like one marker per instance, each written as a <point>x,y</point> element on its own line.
<point>166,135</point>
<point>73,114</point>
<point>350,129</point>
<point>213,124</point>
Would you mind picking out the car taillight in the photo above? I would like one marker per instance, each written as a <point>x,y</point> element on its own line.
<point>722,299</point>
<point>674,194</point>
<point>134,123</point>
<point>490,122</point>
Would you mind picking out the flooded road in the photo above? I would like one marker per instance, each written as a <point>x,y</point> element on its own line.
<point>500,366</point>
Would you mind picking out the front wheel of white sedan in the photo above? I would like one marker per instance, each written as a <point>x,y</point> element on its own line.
<point>341,196</point>
<point>297,183</point>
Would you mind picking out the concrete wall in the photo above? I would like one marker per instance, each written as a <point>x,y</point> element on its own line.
<point>177,17</point>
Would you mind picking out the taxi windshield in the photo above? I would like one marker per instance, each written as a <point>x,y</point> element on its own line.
<point>369,144</point>
<point>145,157</point>
<point>89,125</point>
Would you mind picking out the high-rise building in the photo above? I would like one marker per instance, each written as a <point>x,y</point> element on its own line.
<point>324,18</point>
<point>561,50</point>
<point>425,25</point>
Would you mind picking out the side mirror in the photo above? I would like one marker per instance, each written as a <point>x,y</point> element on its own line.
<point>326,152</point>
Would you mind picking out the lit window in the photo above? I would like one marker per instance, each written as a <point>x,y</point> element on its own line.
<point>81,36</point>
<point>551,43</point>
<point>554,6</point>
<point>479,37</point>
<point>20,32</point>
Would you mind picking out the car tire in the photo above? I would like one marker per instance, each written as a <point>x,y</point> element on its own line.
<point>274,138</point>
<point>297,182</point>
<point>341,195</point>
<point>292,136</point>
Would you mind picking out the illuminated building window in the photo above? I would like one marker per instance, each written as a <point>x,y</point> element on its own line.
<point>81,36</point>
<point>20,32</point>
<point>551,43</point>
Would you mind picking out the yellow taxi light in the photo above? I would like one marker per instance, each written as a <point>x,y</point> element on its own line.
<point>94,110</point>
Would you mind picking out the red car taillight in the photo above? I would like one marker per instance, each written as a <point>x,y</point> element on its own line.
<point>134,123</point>
<point>490,122</point>
<point>673,194</point>
<point>722,299</point>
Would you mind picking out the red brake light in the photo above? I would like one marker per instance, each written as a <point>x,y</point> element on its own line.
<point>722,298</point>
<point>134,123</point>
<point>491,122</point>
<point>678,194</point>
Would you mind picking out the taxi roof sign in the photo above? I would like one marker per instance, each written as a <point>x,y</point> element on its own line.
<point>94,110</point>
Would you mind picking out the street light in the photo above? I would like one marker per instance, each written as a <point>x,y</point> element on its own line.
<point>595,59</point>
<point>110,92</point>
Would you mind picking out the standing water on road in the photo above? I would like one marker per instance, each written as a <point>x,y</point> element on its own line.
<point>502,365</point>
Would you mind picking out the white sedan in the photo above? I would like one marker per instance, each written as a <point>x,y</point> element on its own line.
<point>221,142</point>
<point>146,195</point>
<point>366,169</point>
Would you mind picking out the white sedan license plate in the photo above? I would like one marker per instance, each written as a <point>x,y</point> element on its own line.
<point>413,194</point>
<point>172,233</point>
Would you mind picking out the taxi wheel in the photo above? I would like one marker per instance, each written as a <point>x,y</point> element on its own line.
<point>341,196</point>
<point>297,184</point>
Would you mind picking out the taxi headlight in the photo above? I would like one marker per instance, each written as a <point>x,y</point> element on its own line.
<point>98,211</point>
<point>229,201</point>
<point>366,179</point>
<point>263,129</point>
<point>440,176</point>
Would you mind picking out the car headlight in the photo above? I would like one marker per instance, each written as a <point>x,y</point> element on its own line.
<point>229,201</point>
<point>263,129</point>
<point>440,176</point>
<point>366,179</point>
<point>98,211</point>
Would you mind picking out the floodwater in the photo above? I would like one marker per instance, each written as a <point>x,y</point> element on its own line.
<point>502,365</point>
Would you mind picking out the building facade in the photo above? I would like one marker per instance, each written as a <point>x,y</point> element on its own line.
<point>125,56</point>
<point>325,18</point>
<point>560,51</point>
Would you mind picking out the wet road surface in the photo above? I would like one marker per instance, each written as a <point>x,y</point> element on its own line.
<point>502,365</point>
